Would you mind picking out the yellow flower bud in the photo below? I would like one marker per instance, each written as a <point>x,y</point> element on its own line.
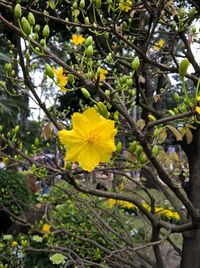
<point>119,147</point>
<point>82,4</point>
<point>133,147</point>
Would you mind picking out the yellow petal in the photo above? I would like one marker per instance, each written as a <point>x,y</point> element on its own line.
<point>197,109</point>
<point>69,137</point>
<point>88,158</point>
<point>92,116</point>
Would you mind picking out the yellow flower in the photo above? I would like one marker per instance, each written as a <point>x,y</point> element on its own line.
<point>197,109</point>
<point>46,228</point>
<point>77,39</point>
<point>61,78</point>
<point>102,73</point>
<point>158,45</point>
<point>14,244</point>
<point>125,5</point>
<point>91,140</point>
<point>111,202</point>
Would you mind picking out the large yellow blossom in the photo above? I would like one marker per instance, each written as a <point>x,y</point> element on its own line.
<point>91,140</point>
<point>61,78</point>
<point>125,5</point>
<point>77,39</point>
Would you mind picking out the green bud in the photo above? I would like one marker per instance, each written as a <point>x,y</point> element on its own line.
<point>129,82</point>
<point>8,67</point>
<point>49,70</point>
<point>36,142</point>
<point>110,2</point>
<point>135,63</point>
<point>183,66</point>
<point>133,147</point>
<point>87,21</point>
<point>82,4</point>
<point>102,109</point>
<point>151,118</point>
<point>88,41</point>
<point>75,5</point>
<point>176,111</point>
<point>107,92</point>
<point>85,93</point>
<point>1,128</point>
<point>70,78</point>
<point>155,133</point>
<point>18,11</point>
<point>3,84</point>
<point>12,73</point>
<point>155,150</point>
<point>98,4</point>
<point>26,26</point>
<point>37,28</point>
<point>46,31</point>
<point>124,25</point>
<point>16,129</point>
<point>119,147</point>
<point>42,42</point>
<point>31,18</point>
<point>171,112</point>
<point>106,35</point>
<point>139,150</point>
<point>143,159</point>
<point>89,51</point>
<point>181,13</point>
<point>176,97</point>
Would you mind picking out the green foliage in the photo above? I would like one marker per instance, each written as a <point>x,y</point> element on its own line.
<point>15,193</point>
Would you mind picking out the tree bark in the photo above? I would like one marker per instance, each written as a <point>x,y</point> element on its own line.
<point>191,239</point>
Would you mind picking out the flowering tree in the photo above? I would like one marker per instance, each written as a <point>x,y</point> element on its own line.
<point>123,56</point>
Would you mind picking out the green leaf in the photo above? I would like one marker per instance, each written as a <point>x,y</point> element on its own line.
<point>162,135</point>
<point>189,135</point>
<point>175,131</point>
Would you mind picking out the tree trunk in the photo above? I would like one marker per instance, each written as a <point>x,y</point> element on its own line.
<point>191,239</point>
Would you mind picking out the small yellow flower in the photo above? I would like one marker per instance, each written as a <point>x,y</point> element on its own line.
<point>14,244</point>
<point>197,109</point>
<point>91,140</point>
<point>158,45</point>
<point>46,228</point>
<point>102,73</point>
<point>125,5</point>
<point>77,39</point>
<point>61,78</point>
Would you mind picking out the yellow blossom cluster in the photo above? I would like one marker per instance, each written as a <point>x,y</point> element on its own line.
<point>125,5</point>
<point>164,213</point>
